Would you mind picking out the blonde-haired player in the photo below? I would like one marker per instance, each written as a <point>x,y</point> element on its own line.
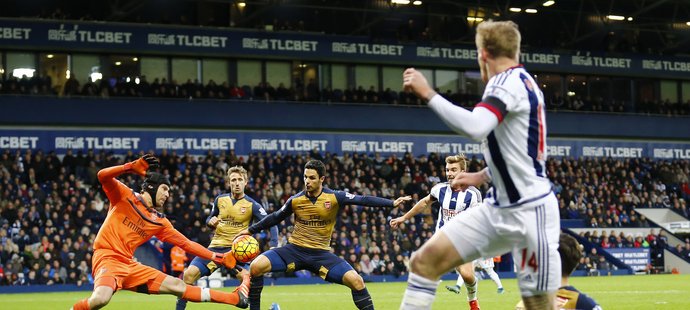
<point>451,203</point>
<point>230,213</point>
<point>521,214</point>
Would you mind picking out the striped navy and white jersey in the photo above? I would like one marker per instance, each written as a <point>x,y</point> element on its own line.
<point>515,150</point>
<point>453,202</point>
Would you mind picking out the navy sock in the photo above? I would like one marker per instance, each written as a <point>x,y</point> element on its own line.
<point>181,304</point>
<point>255,288</point>
<point>362,299</point>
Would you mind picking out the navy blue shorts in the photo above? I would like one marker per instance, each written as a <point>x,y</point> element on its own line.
<point>291,258</point>
<point>207,266</point>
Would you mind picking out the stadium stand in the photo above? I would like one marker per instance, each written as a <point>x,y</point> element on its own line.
<point>52,207</point>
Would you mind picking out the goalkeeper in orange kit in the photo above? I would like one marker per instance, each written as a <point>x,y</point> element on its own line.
<point>133,218</point>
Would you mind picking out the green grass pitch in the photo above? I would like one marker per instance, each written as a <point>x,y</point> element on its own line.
<point>622,292</point>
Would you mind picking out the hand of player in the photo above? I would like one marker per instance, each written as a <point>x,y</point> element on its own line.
<point>146,162</point>
<point>242,232</point>
<point>213,222</point>
<point>395,223</point>
<point>463,180</point>
<point>415,81</point>
<point>400,200</point>
<point>226,259</point>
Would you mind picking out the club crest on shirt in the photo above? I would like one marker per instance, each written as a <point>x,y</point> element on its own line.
<point>327,204</point>
<point>154,216</point>
<point>243,210</point>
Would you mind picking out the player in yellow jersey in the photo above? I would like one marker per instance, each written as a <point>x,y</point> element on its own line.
<point>316,211</point>
<point>230,214</point>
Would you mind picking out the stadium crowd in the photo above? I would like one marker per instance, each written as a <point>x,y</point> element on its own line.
<point>310,92</point>
<point>52,207</point>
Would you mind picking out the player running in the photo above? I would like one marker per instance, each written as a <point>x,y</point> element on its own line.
<point>451,203</point>
<point>230,214</point>
<point>133,218</point>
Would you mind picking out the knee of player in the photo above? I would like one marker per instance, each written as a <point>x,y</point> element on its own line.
<point>259,266</point>
<point>98,301</point>
<point>191,275</point>
<point>357,283</point>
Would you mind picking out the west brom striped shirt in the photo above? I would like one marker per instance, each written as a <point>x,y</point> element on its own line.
<point>453,202</point>
<point>515,150</point>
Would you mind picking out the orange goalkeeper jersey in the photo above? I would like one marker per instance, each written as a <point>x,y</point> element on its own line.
<point>130,222</point>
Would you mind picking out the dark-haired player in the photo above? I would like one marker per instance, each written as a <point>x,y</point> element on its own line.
<point>316,209</point>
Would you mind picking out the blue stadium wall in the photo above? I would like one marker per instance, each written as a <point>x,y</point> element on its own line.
<point>27,112</point>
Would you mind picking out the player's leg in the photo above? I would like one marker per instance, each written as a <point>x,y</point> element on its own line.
<point>458,283</point>
<point>467,275</point>
<point>467,236</point>
<point>538,263</point>
<point>198,268</point>
<point>99,298</point>
<point>271,260</point>
<point>494,277</point>
<point>165,284</point>
<point>108,275</point>
<point>336,270</point>
<point>436,257</point>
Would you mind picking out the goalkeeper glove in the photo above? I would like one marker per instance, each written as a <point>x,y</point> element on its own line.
<point>142,164</point>
<point>226,259</point>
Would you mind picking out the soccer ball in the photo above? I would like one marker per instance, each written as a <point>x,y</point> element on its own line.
<point>245,248</point>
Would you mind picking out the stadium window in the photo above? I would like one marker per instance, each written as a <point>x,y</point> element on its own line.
<point>248,73</point>
<point>550,84</point>
<point>306,81</point>
<point>57,68</point>
<point>600,88</point>
<point>669,91</point>
<point>122,67</point>
<point>646,93</point>
<point>214,69</point>
<point>338,77</point>
<point>622,91</point>
<point>20,64</point>
<point>685,93</point>
<point>446,80</point>
<point>366,76</point>
<point>278,73</point>
<point>472,87</point>
<point>576,86</point>
<point>185,69</point>
<point>154,68</point>
<point>85,67</point>
<point>392,78</point>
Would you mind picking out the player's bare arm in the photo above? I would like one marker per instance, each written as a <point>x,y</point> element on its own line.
<point>463,180</point>
<point>418,207</point>
<point>401,200</point>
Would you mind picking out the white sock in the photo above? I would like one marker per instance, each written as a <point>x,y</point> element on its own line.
<point>460,281</point>
<point>420,293</point>
<point>494,276</point>
<point>472,290</point>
